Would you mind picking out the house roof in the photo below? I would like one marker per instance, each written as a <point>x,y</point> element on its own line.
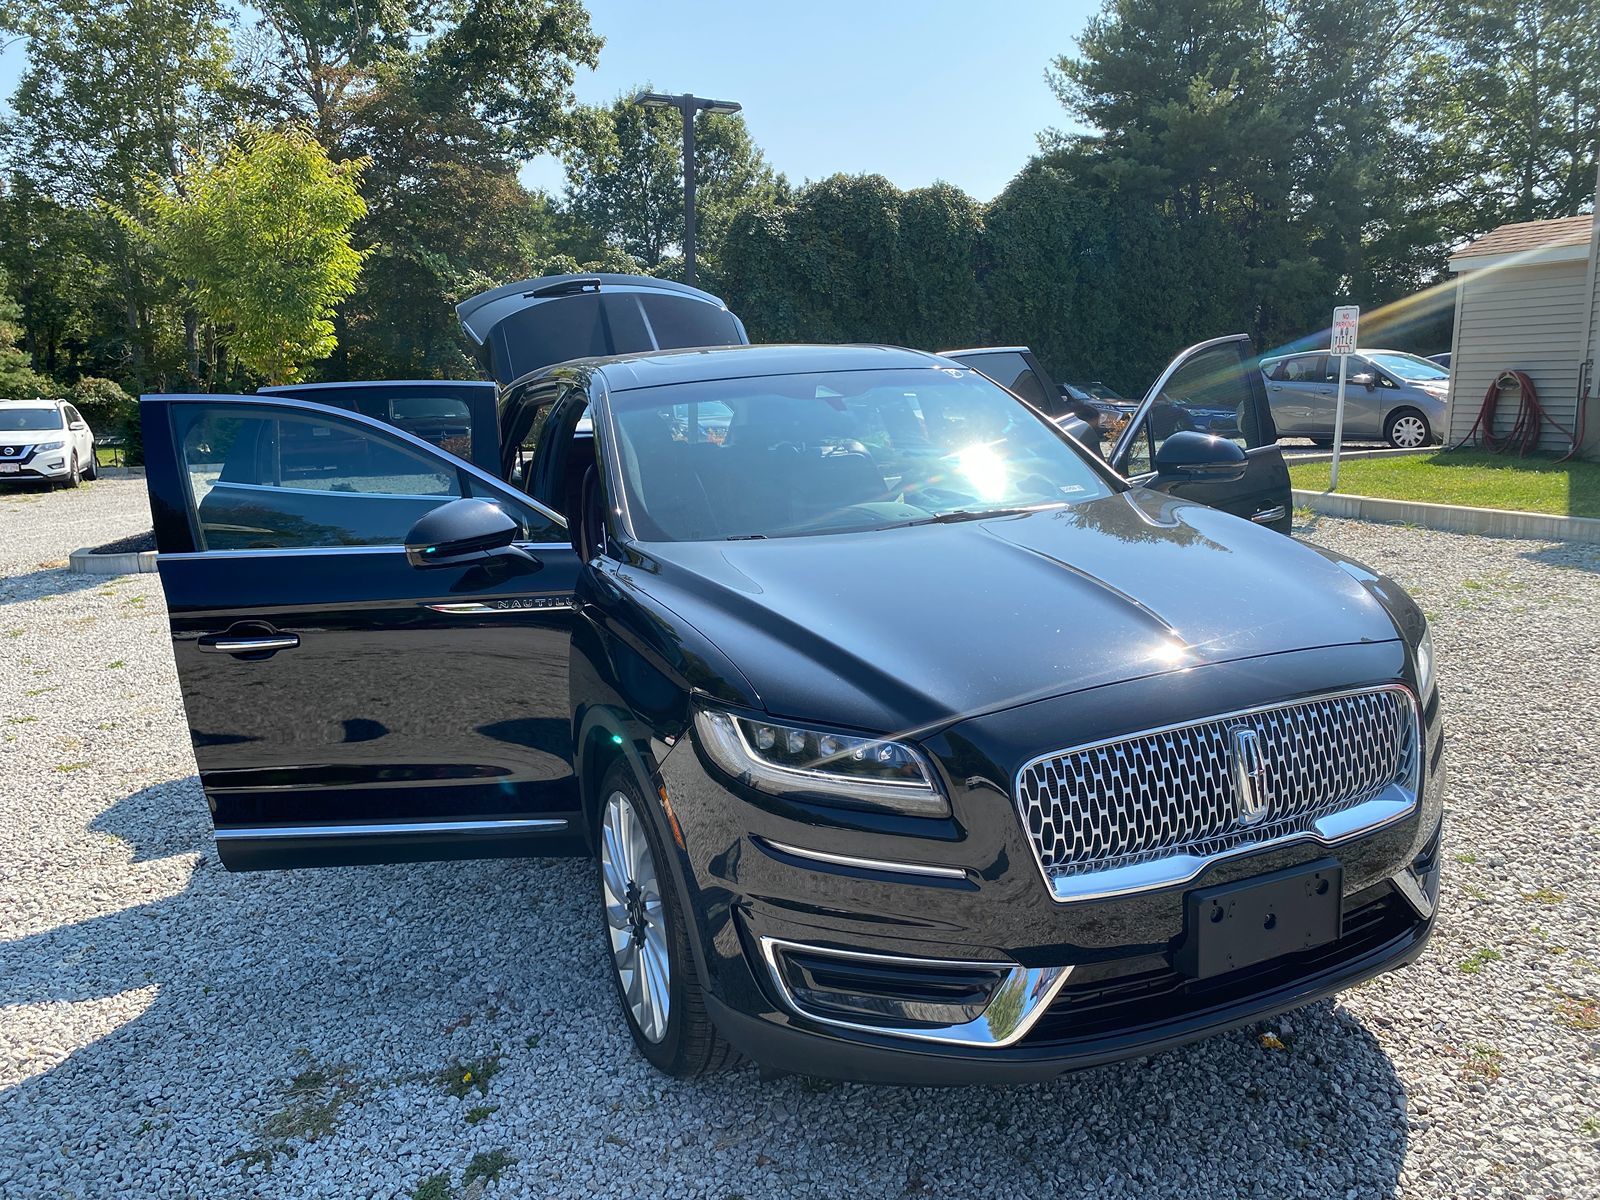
<point>1527,236</point>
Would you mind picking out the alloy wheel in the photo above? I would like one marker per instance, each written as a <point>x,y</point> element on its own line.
<point>635,917</point>
<point>1409,432</point>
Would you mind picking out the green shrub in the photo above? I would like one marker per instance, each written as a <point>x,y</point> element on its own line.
<point>111,412</point>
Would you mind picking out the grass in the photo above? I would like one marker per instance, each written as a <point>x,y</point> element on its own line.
<point>487,1167</point>
<point>463,1077</point>
<point>1476,961</point>
<point>1469,477</point>
<point>1483,1062</point>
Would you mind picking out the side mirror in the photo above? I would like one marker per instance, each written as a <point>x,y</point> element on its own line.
<point>1364,379</point>
<point>460,533</point>
<point>1199,457</point>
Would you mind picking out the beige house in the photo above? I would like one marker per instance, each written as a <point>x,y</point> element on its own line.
<point>1528,300</point>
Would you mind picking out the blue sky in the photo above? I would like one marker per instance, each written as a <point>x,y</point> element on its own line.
<point>937,90</point>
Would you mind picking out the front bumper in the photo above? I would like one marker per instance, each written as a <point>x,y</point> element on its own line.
<point>1097,977</point>
<point>50,464</point>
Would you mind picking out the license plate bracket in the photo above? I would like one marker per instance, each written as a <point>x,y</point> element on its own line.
<point>1236,925</point>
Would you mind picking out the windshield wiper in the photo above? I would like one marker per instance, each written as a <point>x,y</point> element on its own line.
<point>746,537</point>
<point>964,514</point>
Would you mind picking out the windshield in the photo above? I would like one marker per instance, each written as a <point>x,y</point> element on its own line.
<point>18,419</point>
<point>1409,367</point>
<point>785,455</point>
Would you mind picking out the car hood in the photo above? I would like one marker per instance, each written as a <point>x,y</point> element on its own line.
<point>916,627</point>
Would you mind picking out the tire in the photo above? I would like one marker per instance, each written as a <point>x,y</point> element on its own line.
<point>74,475</point>
<point>1407,429</point>
<point>640,908</point>
<point>94,465</point>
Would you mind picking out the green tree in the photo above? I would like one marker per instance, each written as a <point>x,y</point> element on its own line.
<point>18,379</point>
<point>443,101</point>
<point>1507,99</point>
<point>116,91</point>
<point>855,259</point>
<point>624,165</point>
<point>264,235</point>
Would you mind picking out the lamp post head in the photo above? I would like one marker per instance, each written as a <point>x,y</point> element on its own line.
<point>685,103</point>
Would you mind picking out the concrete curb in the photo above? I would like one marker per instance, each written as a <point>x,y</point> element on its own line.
<point>135,562</point>
<point>120,473</point>
<point>1326,456</point>
<point>1453,518</point>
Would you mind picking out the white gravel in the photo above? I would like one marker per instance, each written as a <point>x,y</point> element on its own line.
<point>168,1029</point>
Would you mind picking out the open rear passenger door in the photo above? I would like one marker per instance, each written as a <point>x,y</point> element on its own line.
<point>352,698</point>
<point>1216,388</point>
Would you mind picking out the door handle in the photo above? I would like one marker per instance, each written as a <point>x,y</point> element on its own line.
<point>1267,516</point>
<point>265,644</point>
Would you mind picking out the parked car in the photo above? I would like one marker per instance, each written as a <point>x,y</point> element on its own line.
<point>45,440</point>
<point>1389,394</point>
<point>912,743</point>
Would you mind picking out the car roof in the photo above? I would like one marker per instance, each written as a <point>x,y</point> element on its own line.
<point>312,390</point>
<point>625,372</point>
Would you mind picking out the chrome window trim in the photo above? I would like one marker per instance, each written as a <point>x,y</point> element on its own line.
<point>1392,805</point>
<point>441,497</point>
<point>295,551</point>
<point>865,864</point>
<point>246,833</point>
<point>1039,986</point>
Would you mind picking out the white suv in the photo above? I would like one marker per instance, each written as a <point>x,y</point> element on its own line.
<point>45,439</point>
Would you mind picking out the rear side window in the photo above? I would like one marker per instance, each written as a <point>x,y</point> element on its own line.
<point>679,322</point>
<point>1011,371</point>
<point>592,324</point>
<point>261,479</point>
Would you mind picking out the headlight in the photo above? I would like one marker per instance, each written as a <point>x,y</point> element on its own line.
<point>853,772</point>
<point>1423,651</point>
<point>42,446</point>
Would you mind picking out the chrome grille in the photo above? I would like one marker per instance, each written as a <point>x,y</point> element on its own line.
<point>1173,791</point>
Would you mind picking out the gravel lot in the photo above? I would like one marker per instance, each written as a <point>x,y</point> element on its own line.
<point>169,1029</point>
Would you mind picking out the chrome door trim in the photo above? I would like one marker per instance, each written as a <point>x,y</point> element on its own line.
<point>864,864</point>
<point>246,833</point>
<point>1268,515</point>
<point>251,645</point>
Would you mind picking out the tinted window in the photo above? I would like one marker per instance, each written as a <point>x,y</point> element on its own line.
<point>1209,393</point>
<point>22,419</point>
<point>598,323</point>
<point>261,479</point>
<point>680,321</point>
<point>1011,370</point>
<point>443,420</point>
<point>834,452</point>
<point>71,414</point>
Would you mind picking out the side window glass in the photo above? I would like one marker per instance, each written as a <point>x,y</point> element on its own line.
<point>443,420</point>
<point>1209,393</point>
<point>520,475</point>
<point>264,479</point>
<point>72,415</point>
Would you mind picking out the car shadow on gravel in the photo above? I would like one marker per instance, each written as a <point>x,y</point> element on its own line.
<point>49,581</point>
<point>380,979</point>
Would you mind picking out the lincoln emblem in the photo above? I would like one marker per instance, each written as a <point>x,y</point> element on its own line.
<point>1249,775</point>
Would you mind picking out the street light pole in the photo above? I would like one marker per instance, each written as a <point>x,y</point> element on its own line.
<point>689,107</point>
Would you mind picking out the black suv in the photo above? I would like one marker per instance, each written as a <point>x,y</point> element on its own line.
<point>912,743</point>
